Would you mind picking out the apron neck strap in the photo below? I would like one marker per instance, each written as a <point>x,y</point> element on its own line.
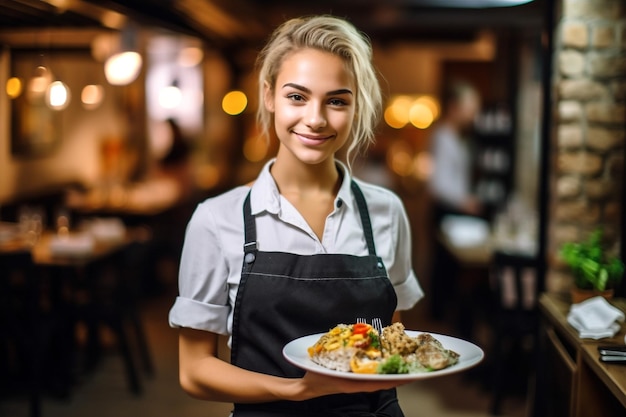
<point>365,217</point>
<point>250,244</point>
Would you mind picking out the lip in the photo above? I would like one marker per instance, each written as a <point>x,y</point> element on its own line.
<point>313,139</point>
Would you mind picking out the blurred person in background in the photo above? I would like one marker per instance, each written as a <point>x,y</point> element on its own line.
<point>450,183</point>
<point>176,163</point>
<point>451,180</point>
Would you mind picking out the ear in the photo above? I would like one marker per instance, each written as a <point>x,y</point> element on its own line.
<point>268,97</point>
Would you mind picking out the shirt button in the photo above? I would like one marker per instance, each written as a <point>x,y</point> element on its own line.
<point>339,203</point>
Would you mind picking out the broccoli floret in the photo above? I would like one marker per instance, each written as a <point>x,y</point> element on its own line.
<point>393,365</point>
<point>375,340</point>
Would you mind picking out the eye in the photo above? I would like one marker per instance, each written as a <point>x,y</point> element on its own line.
<point>295,97</point>
<point>337,102</point>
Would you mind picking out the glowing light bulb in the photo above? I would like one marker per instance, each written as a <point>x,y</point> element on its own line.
<point>58,95</point>
<point>92,96</point>
<point>170,97</point>
<point>123,68</point>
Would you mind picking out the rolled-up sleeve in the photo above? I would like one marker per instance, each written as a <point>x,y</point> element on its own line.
<point>408,292</point>
<point>202,302</point>
<point>187,312</point>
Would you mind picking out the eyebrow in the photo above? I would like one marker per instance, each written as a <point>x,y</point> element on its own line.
<point>308,91</point>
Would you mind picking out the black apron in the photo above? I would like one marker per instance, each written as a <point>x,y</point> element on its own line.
<point>283,296</point>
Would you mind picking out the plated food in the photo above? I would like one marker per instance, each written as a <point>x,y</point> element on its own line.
<point>359,348</point>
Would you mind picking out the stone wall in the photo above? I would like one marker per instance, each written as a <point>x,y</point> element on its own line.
<point>589,126</point>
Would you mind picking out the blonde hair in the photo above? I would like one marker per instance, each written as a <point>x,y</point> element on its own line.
<point>338,37</point>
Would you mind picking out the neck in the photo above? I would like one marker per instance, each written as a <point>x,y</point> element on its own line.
<point>302,178</point>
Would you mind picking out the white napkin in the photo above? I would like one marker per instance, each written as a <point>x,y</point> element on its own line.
<point>595,318</point>
<point>465,230</point>
<point>78,244</point>
<point>109,230</point>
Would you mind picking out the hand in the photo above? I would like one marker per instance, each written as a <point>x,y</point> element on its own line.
<point>316,385</point>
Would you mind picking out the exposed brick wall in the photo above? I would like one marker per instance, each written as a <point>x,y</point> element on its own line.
<point>589,126</point>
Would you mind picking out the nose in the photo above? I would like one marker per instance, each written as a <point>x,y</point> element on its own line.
<point>315,117</point>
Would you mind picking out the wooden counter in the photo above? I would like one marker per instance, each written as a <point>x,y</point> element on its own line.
<point>572,381</point>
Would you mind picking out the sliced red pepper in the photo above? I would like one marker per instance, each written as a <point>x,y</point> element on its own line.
<point>360,328</point>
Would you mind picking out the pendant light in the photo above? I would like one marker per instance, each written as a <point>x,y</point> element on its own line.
<point>171,96</point>
<point>57,95</point>
<point>123,67</point>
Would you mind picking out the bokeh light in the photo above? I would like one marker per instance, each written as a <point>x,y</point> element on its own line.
<point>234,102</point>
<point>14,87</point>
<point>58,95</point>
<point>38,85</point>
<point>422,165</point>
<point>170,97</point>
<point>92,96</point>
<point>397,113</point>
<point>420,111</point>
<point>420,115</point>
<point>432,103</point>
<point>255,149</point>
<point>190,56</point>
<point>123,68</point>
<point>400,159</point>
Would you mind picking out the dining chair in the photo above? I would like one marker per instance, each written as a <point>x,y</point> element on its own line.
<point>110,290</point>
<point>514,287</point>
<point>31,356</point>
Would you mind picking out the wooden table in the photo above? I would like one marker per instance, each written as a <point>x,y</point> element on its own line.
<point>572,381</point>
<point>145,199</point>
<point>43,256</point>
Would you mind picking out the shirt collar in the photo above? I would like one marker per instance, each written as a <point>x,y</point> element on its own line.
<point>264,194</point>
<point>345,191</point>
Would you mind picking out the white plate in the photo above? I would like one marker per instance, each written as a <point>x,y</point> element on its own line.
<point>470,355</point>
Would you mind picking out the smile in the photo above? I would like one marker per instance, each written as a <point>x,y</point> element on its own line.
<point>313,139</point>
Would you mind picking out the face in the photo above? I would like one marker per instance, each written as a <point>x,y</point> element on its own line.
<point>468,108</point>
<point>313,104</point>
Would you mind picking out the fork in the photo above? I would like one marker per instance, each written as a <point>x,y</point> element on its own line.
<point>378,325</point>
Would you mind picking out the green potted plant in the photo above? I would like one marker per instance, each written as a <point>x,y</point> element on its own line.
<point>595,270</point>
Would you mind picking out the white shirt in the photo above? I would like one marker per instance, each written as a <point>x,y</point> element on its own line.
<point>450,181</point>
<point>212,255</point>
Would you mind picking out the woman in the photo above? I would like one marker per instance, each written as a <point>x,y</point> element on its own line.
<point>304,247</point>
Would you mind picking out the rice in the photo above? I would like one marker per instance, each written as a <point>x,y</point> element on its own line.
<point>337,359</point>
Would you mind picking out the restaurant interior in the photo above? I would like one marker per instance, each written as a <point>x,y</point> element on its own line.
<point>118,117</point>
